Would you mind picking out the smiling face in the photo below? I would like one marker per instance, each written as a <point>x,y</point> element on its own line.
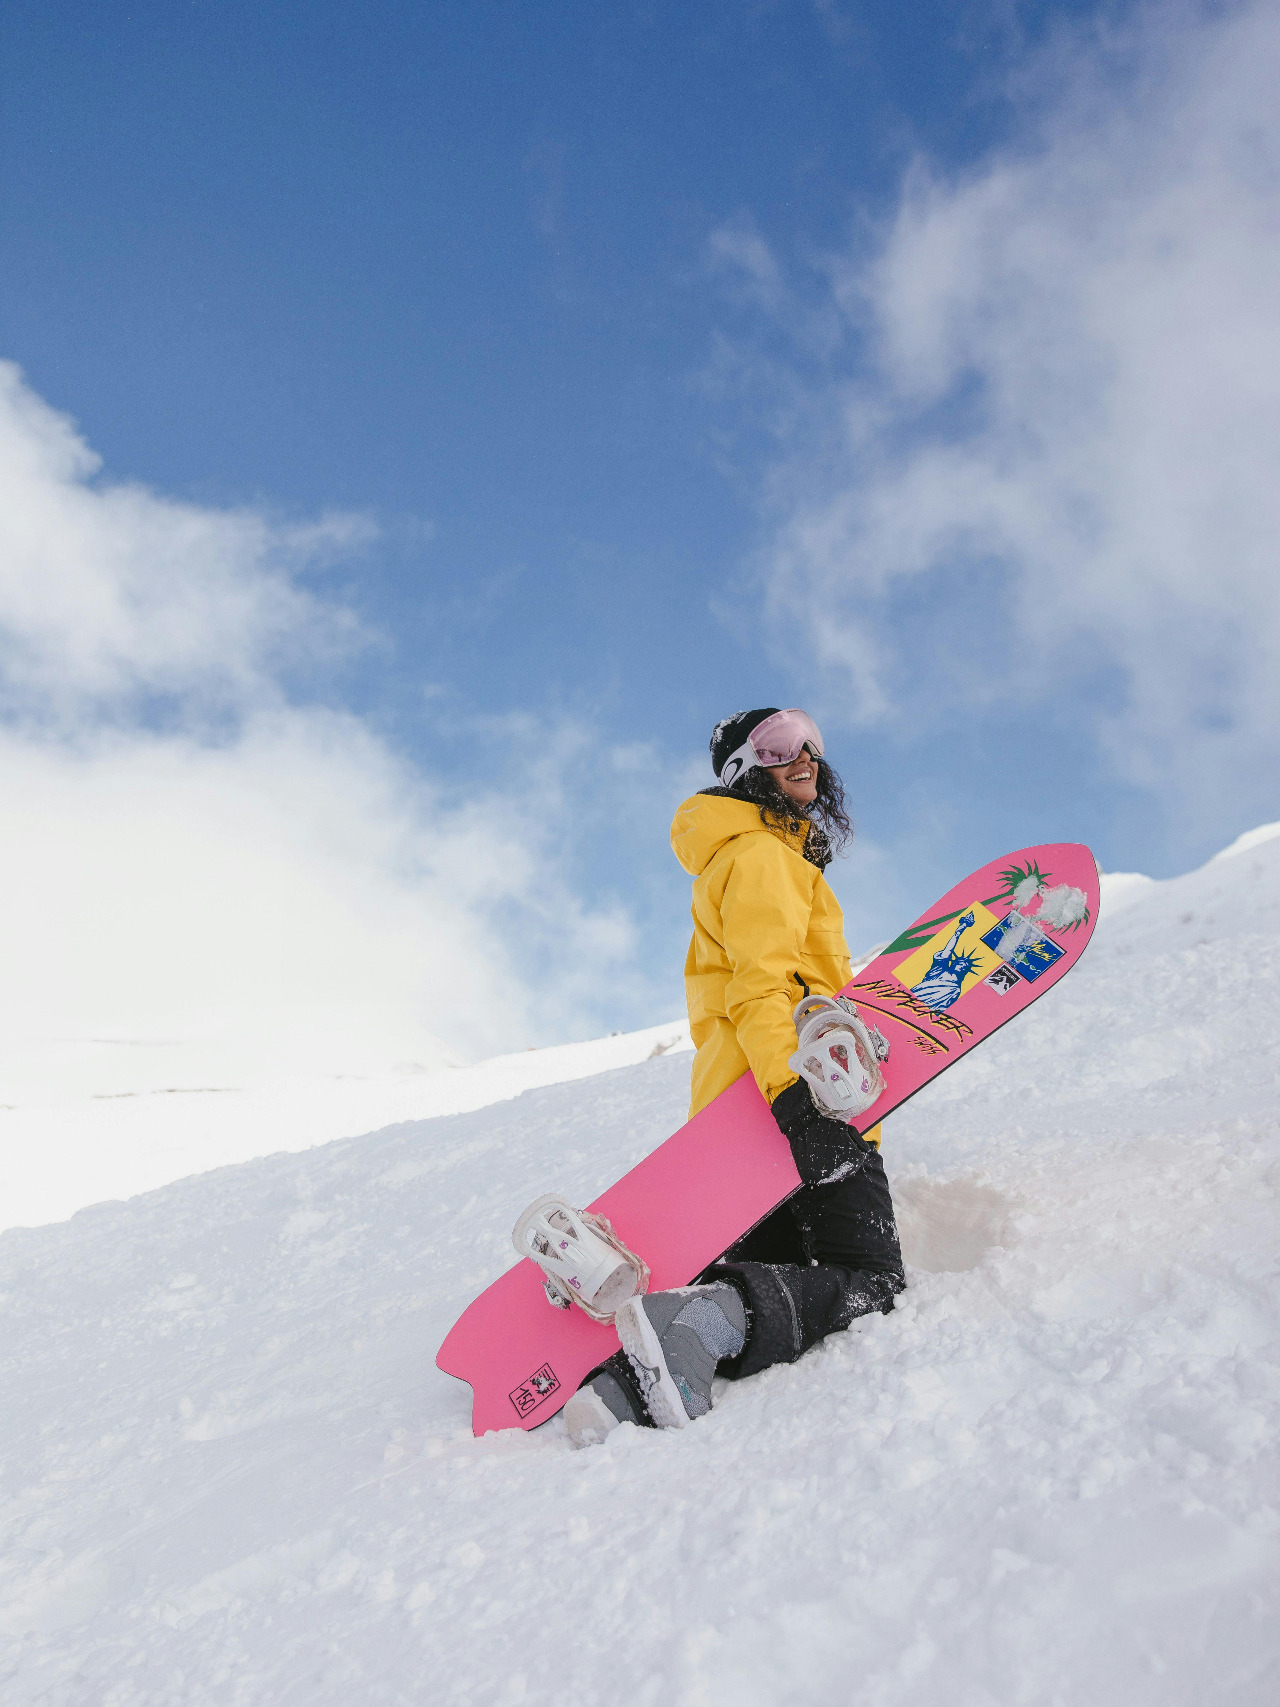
<point>798,780</point>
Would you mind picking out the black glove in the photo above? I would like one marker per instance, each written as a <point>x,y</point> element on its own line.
<point>825,1150</point>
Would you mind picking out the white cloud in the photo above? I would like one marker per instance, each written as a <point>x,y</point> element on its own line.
<point>110,595</point>
<point>1067,438</point>
<point>738,249</point>
<point>257,886</point>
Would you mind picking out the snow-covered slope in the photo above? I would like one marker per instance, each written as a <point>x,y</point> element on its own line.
<point>232,1475</point>
<point>57,1156</point>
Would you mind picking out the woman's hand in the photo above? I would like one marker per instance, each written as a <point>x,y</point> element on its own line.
<point>825,1150</point>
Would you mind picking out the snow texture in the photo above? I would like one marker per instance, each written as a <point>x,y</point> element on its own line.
<point>723,724</point>
<point>60,1156</point>
<point>1061,906</point>
<point>1026,891</point>
<point>231,1474</point>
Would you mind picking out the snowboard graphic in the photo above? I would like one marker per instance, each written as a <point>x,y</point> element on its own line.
<point>978,957</point>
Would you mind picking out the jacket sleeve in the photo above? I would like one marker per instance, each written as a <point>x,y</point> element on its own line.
<point>764,915</point>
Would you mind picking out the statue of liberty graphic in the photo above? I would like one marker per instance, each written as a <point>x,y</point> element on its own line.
<point>948,970</point>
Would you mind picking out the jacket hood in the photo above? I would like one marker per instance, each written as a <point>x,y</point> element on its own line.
<point>705,822</point>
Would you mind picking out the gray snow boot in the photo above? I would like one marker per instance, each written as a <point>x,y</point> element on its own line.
<point>607,1397</point>
<point>675,1339</point>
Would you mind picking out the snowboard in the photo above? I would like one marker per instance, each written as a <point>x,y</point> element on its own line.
<point>975,960</point>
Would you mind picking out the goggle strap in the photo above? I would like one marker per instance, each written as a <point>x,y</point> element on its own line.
<point>741,760</point>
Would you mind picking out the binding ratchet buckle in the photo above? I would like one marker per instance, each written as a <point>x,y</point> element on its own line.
<point>840,1056</point>
<point>582,1259</point>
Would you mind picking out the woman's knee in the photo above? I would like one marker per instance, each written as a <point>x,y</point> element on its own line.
<point>852,1223</point>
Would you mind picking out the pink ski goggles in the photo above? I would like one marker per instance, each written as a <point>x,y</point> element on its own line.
<point>779,740</point>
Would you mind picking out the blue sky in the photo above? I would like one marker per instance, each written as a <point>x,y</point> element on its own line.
<point>632,364</point>
<point>448,265</point>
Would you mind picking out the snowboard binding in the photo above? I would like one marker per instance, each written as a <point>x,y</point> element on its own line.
<point>839,1057</point>
<point>583,1260</point>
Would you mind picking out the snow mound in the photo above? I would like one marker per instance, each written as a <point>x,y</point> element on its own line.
<point>1249,840</point>
<point>1118,888</point>
<point>231,1474</point>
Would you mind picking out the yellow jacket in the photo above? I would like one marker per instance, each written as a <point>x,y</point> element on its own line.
<point>765,925</point>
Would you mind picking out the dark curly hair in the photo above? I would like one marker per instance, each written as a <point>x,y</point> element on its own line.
<point>830,827</point>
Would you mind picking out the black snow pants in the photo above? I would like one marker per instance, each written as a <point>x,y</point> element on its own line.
<point>822,1258</point>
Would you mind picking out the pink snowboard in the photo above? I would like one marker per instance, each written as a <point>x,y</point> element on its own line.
<point>936,992</point>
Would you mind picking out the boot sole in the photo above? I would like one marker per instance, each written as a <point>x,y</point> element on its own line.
<point>644,1349</point>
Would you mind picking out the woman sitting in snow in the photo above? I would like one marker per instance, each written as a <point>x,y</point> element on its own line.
<point>767,931</point>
